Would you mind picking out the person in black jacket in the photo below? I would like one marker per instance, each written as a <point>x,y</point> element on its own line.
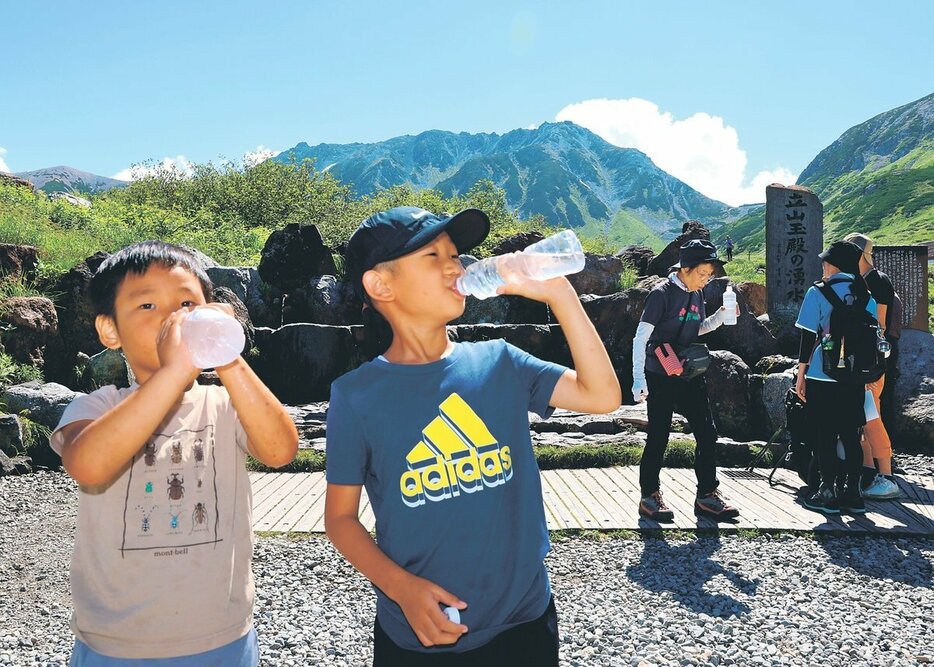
<point>675,314</point>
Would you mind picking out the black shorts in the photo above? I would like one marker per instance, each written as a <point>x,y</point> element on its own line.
<point>531,643</point>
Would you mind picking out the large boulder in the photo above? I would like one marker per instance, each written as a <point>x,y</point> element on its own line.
<point>15,465</point>
<point>775,363</point>
<point>292,255</point>
<point>105,368</point>
<point>29,332</point>
<point>12,438</point>
<point>23,447</point>
<point>42,403</point>
<point>323,300</point>
<point>224,295</point>
<point>501,309</point>
<point>915,362</point>
<point>914,392</point>
<point>754,296</point>
<point>637,257</point>
<point>262,301</point>
<point>748,338</point>
<point>298,362</point>
<point>75,315</point>
<point>599,276</point>
<point>771,400</point>
<point>616,318</point>
<point>18,261</point>
<point>543,341</point>
<point>692,229</point>
<point>728,393</point>
<point>516,242</point>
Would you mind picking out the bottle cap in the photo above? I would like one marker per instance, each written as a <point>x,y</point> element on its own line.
<point>453,614</point>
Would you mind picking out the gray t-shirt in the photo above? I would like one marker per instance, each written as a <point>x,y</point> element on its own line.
<point>667,308</point>
<point>161,566</point>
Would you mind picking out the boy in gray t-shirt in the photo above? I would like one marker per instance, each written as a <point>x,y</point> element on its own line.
<point>161,567</point>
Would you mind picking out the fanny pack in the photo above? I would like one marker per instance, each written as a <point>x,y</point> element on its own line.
<point>685,362</point>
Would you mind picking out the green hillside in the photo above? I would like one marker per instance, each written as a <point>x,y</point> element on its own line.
<point>877,178</point>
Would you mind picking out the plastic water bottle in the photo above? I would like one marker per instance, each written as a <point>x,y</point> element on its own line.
<point>213,338</point>
<point>729,305</point>
<point>558,255</point>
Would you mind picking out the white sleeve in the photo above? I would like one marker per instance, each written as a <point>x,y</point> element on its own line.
<point>643,332</point>
<point>712,322</point>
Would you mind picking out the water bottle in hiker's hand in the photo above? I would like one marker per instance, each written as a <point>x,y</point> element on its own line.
<point>557,255</point>
<point>729,306</point>
<point>213,338</point>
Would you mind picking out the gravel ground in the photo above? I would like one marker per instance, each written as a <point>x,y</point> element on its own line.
<point>728,600</point>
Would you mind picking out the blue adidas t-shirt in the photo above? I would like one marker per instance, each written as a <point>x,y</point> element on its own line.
<point>445,454</point>
<point>814,316</point>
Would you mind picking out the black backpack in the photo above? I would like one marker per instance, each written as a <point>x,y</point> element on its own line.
<point>849,350</point>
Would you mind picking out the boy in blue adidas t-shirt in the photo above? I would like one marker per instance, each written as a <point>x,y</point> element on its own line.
<point>438,434</point>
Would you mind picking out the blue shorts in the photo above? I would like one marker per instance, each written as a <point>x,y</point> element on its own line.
<point>243,652</point>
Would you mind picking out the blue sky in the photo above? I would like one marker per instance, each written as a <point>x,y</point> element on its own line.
<point>718,93</point>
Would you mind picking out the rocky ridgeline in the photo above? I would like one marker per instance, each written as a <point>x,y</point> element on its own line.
<point>302,324</point>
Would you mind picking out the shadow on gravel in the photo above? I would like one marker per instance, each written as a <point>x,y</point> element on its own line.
<point>888,558</point>
<point>683,570</point>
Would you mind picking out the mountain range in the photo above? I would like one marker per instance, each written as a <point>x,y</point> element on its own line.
<point>561,171</point>
<point>69,179</point>
<point>876,178</point>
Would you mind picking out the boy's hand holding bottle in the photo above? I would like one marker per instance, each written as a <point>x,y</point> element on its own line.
<point>421,602</point>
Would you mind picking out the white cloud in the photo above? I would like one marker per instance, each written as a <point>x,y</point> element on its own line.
<point>701,150</point>
<point>179,166</point>
<point>3,164</point>
<point>261,154</point>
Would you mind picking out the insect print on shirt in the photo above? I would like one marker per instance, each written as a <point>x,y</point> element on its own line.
<point>176,488</point>
<point>149,454</point>
<point>199,517</point>
<point>198,449</point>
<point>177,453</point>
<point>145,524</point>
<point>148,487</point>
<point>174,520</point>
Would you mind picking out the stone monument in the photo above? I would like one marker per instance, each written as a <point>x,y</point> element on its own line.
<point>794,231</point>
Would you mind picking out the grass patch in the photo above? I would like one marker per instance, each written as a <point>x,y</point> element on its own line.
<point>12,372</point>
<point>307,460</point>
<point>680,454</point>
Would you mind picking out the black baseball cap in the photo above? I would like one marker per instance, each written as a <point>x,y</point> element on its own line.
<point>696,251</point>
<point>391,234</point>
<point>843,255</point>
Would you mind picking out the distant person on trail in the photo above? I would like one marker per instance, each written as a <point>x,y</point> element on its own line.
<point>878,482</point>
<point>728,244</point>
<point>674,317</point>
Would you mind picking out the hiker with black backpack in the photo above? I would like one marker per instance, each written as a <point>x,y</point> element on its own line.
<point>840,354</point>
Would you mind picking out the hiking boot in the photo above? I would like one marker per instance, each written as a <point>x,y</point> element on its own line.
<point>851,501</point>
<point>882,488</point>
<point>654,507</point>
<point>823,500</point>
<point>715,506</point>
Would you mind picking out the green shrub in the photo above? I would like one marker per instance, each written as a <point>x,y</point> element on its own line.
<point>12,372</point>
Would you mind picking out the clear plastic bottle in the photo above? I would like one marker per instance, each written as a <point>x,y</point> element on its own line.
<point>729,306</point>
<point>213,338</point>
<point>558,255</point>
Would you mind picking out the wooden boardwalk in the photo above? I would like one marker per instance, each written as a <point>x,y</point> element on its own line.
<point>607,499</point>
